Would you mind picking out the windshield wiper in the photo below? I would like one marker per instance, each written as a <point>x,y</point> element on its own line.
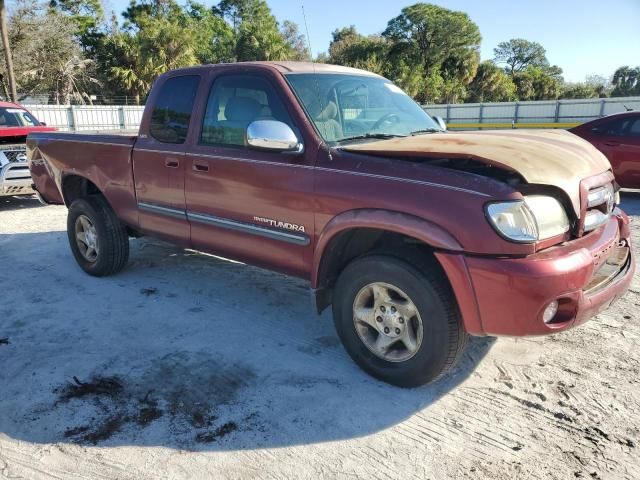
<point>426,130</point>
<point>381,136</point>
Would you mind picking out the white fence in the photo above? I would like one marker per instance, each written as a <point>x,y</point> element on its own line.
<point>564,113</point>
<point>78,118</point>
<point>560,113</point>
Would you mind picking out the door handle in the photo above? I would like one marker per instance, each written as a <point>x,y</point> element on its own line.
<point>611,144</point>
<point>201,166</point>
<point>172,163</point>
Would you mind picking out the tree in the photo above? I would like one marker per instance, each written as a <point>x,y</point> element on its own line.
<point>535,83</point>
<point>296,41</point>
<point>439,45</point>
<point>86,15</point>
<point>7,52</point>
<point>352,49</point>
<point>47,59</point>
<point>578,90</point>
<point>213,38</point>
<point>626,82</point>
<point>518,54</point>
<point>158,37</point>
<point>257,36</point>
<point>491,84</point>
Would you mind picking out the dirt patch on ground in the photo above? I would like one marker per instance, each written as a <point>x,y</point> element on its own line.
<point>185,391</point>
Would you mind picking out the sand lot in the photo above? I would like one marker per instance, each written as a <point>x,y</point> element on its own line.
<point>189,366</point>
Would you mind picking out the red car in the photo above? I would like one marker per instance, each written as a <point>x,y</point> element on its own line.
<point>618,137</point>
<point>15,124</point>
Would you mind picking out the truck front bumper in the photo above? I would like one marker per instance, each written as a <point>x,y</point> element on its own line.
<point>508,296</point>
<point>15,179</point>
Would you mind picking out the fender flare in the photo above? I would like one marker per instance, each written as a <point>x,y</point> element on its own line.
<point>392,221</point>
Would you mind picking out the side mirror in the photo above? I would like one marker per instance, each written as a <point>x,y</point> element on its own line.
<point>440,122</point>
<point>273,135</point>
<point>43,124</point>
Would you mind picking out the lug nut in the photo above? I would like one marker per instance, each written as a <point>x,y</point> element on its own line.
<point>382,309</point>
<point>397,331</point>
<point>386,329</point>
<point>379,319</point>
<point>393,309</point>
<point>401,320</point>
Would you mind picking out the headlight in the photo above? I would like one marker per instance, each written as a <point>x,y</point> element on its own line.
<point>537,217</point>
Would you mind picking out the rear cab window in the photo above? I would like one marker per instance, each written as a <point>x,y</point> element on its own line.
<point>173,108</point>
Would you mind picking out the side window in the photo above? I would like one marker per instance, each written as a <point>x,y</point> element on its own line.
<point>234,102</point>
<point>634,130</point>
<point>616,128</point>
<point>172,110</point>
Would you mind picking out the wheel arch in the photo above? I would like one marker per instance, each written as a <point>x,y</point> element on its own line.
<point>357,232</point>
<point>74,186</point>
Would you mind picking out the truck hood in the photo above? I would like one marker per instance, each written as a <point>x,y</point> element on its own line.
<point>549,157</point>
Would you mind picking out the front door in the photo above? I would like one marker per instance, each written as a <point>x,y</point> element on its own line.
<point>250,205</point>
<point>159,161</point>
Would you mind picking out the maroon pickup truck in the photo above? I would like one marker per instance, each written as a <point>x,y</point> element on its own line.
<point>416,237</point>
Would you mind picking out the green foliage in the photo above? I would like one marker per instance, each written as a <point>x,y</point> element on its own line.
<point>68,49</point>
<point>46,57</point>
<point>256,30</point>
<point>535,83</point>
<point>626,82</point>
<point>428,50</point>
<point>296,41</point>
<point>491,84</point>
<point>518,54</point>
<point>441,44</point>
<point>87,15</point>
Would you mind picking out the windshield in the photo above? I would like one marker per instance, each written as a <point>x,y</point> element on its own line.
<point>355,107</point>
<point>16,117</point>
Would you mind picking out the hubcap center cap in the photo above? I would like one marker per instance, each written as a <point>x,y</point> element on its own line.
<point>392,324</point>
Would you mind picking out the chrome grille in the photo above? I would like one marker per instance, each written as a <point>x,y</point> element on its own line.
<point>600,205</point>
<point>15,156</point>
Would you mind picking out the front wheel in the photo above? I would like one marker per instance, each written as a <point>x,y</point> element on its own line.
<point>398,322</point>
<point>98,240</point>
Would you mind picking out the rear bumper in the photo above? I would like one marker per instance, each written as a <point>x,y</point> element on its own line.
<point>15,179</point>
<point>507,296</point>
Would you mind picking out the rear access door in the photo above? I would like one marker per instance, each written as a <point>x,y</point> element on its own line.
<point>159,160</point>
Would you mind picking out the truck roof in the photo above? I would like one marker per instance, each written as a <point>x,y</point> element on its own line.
<point>288,67</point>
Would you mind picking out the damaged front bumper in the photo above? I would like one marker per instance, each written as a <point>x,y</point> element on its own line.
<point>508,296</point>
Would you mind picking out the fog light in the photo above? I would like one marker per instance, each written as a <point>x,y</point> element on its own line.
<point>550,311</point>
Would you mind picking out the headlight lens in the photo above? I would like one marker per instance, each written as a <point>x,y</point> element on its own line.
<point>549,214</point>
<point>537,217</point>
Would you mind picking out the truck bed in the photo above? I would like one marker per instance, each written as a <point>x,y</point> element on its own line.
<point>104,159</point>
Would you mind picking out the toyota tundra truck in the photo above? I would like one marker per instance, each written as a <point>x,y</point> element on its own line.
<point>15,124</point>
<point>415,236</point>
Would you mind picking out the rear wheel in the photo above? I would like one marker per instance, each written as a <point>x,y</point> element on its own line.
<point>398,322</point>
<point>98,240</point>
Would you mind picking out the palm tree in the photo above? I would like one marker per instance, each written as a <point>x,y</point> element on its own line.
<point>7,51</point>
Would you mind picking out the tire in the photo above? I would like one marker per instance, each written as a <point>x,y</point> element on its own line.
<point>111,239</point>
<point>425,286</point>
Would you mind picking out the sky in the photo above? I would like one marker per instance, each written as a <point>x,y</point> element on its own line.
<point>583,37</point>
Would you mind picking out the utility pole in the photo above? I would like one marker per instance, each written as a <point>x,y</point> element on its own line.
<point>7,51</point>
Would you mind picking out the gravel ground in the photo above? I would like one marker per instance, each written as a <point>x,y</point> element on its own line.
<point>189,366</point>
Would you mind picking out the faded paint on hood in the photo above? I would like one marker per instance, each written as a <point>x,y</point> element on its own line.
<point>550,157</point>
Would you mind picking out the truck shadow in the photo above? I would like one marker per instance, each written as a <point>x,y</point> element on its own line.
<point>20,202</point>
<point>183,350</point>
